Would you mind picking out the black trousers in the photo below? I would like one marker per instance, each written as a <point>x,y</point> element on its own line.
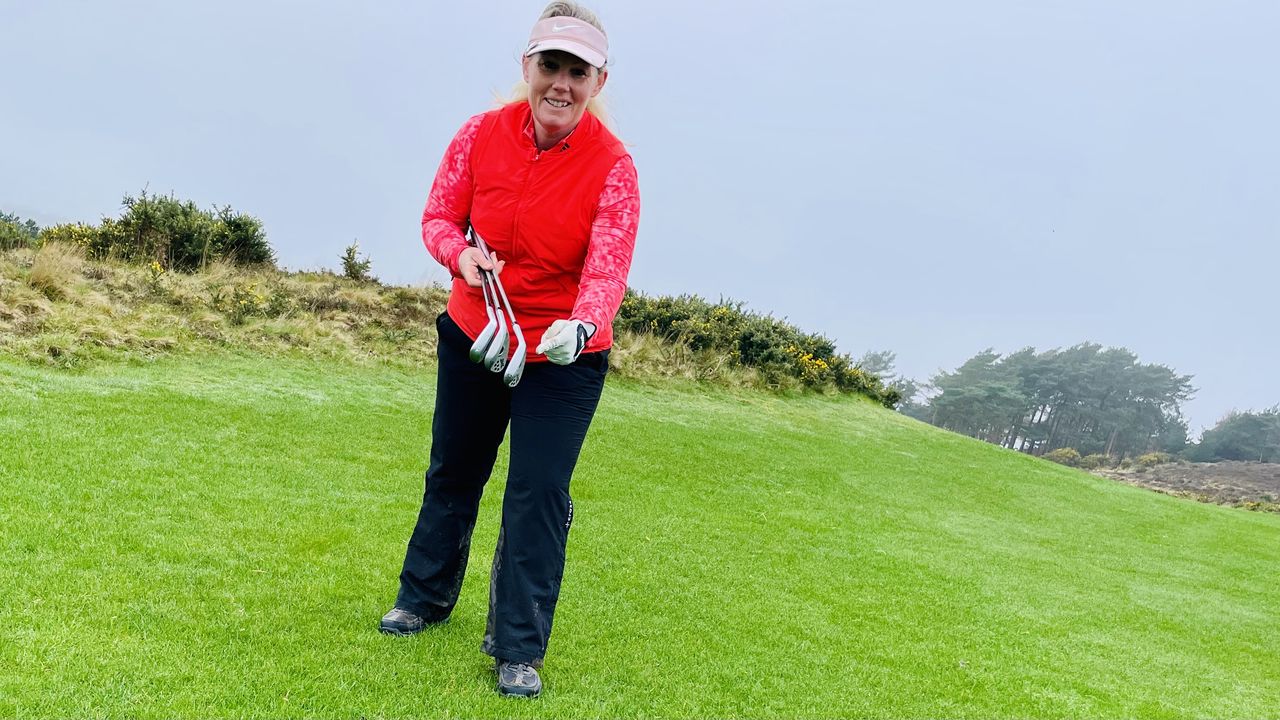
<point>549,412</point>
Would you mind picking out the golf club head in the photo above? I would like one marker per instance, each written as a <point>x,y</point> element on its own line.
<point>516,368</point>
<point>483,341</point>
<point>485,337</point>
<point>496,358</point>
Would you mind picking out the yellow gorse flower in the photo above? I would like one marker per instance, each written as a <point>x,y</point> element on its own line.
<point>811,368</point>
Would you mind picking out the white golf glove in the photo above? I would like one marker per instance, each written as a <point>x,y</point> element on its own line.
<point>562,343</point>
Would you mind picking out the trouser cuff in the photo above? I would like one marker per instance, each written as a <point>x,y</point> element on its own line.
<point>512,655</point>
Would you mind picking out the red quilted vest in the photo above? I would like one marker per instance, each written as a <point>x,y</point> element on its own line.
<point>534,209</point>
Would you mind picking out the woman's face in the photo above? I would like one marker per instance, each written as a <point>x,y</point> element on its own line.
<point>560,84</point>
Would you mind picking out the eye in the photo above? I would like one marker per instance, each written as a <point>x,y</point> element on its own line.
<point>578,73</point>
<point>549,65</point>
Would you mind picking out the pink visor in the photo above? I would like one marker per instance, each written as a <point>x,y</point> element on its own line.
<point>572,36</point>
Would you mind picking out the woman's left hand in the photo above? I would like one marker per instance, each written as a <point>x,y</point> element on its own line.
<point>563,342</point>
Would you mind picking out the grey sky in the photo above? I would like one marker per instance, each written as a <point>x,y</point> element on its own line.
<point>930,178</point>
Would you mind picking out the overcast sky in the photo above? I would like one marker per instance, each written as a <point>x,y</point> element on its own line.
<point>931,178</point>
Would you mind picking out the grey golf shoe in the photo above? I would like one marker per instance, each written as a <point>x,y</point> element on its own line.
<point>517,679</point>
<point>401,622</point>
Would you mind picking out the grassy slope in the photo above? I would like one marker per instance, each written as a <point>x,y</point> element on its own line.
<point>218,537</point>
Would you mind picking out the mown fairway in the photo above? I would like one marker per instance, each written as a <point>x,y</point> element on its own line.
<point>218,537</point>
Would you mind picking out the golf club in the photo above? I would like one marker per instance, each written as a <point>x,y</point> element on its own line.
<point>485,338</point>
<point>495,358</point>
<point>515,369</point>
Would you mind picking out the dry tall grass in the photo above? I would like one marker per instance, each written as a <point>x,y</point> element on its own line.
<point>644,356</point>
<point>56,307</point>
<point>55,269</point>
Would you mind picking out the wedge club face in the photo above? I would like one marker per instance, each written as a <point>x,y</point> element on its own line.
<point>496,358</point>
<point>485,338</point>
<point>516,369</point>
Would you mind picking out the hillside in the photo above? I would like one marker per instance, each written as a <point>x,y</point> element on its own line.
<point>59,308</point>
<point>216,535</point>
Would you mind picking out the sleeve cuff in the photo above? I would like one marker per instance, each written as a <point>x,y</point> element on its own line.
<point>454,254</point>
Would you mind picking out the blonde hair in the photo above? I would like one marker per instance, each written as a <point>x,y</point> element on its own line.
<point>572,10</point>
<point>597,105</point>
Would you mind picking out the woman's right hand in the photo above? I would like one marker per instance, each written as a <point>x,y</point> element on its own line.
<point>471,261</point>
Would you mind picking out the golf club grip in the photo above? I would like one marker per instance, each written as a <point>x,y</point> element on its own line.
<point>480,243</point>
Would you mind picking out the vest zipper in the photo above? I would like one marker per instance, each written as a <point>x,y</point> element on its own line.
<point>524,194</point>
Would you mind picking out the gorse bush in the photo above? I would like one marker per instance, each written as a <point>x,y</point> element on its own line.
<point>1153,459</point>
<point>241,239</point>
<point>353,267</point>
<point>1096,460</point>
<point>239,301</point>
<point>780,353</point>
<point>1064,456</point>
<point>80,235</point>
<point>177,234</point>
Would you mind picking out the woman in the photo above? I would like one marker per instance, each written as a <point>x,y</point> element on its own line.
<point>554,195</point>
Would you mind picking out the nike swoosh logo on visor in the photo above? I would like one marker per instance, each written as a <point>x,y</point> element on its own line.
<point>561,28</point>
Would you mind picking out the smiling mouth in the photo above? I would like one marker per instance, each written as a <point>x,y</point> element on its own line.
<point>557,103</point>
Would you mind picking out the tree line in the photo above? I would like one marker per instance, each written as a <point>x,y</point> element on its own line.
<point>1250,436</point>
<point>1086,398</point>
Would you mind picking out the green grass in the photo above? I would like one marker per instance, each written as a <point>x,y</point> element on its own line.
<point>217,537</point>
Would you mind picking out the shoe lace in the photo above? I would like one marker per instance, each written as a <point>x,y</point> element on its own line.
<point>522,673</point>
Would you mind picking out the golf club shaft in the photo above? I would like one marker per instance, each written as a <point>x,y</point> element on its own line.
<point>484,250</point>
<point>484,288</point>
<point>480,347</point>
<point>490,295</point>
